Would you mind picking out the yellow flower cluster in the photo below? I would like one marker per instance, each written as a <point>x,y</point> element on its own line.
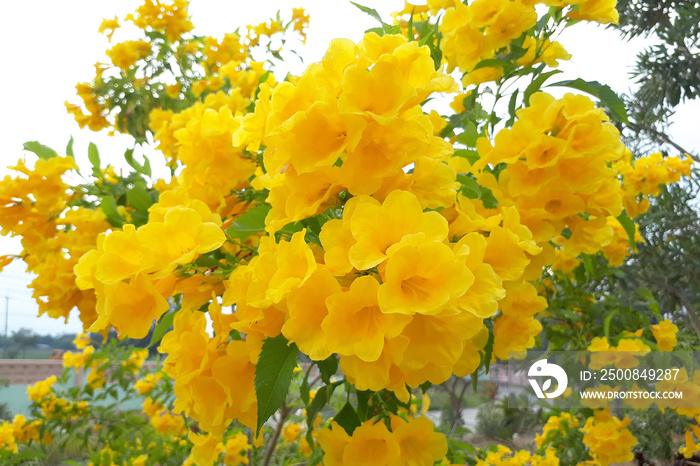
<point>162,420</point>
<point>475,32</point>
<point>168,17</point>
<point>41,389</point>
<point>554,425</point>
<point>665,335</point>
<point>213,376</point>
<point>108,27</point>
<point>78,359</point>
<point>235,449</point>
<point>131,269</point>
<point>19,431</point>
<point>352,122</point>
<point>148,383</point>
<point>53,238</point>
<point>124,55</point>
<point>643,176</point>
<point>96,116</point>
<point>409,442</point>
<point>505,456</point>
<point>622,356</point>
<point>608,439</point>
<point>7,437</point>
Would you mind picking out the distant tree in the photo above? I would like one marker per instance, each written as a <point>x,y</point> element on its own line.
<point>667,73</point>
<point>24,338</point>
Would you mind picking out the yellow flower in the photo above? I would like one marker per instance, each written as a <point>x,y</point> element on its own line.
<point>291,432</point>
<point>82,340</point>
<point>602,11</point>
<point>379,229</point>
<point>307,309</point>
<point>355,324</point>
<point>422,279</point>
<point>665,335</point>
<point>418,441</point>
<point>608,438</point>
<point>147,384</point>
<point>110,25</point>
<point>7,438</point>
<point>124,55</point>
<point>41,390</point>
<point>179,238</point>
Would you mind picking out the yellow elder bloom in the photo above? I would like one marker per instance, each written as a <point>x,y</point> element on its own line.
<point>110,25</point>
<point>418,442</point>
<point>179,238</point>
<point>422,279</point>
<point>291,432</point>
<point>130,307</point>
<point>41,389</point>
<point>306,311</point>
<point>355,324</point>
<point>665,335</point>
<point>82,340</point>
<point>125,54</point>
<point>147,384</point>
<point>608,438</point>
<point>379,229</point>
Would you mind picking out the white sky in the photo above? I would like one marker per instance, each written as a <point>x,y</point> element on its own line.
<point>50,46</point>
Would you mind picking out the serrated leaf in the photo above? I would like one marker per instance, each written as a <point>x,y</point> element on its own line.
<point>273,374</point>
<point>44,152</point>
<point>603,92</point>
<point>328,368</point>
<point>94,158</point>
<point>251,222</point>
<point>165,322</point>
<point>347,418</point>
<point>370,11</point>
<point>630,228</point>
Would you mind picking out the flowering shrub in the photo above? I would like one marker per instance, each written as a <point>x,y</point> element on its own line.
<point>331,218</point>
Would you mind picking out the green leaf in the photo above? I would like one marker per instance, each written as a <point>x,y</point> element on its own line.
<point>536,84</point>
<point>139,198</point>
<point>328,368</point>
<point>94,157</point>
<point>471,155</point>
<point>315,407</point>
<point>109,207</point>
<point>470,135</point>
<point>44,152</point>
<point>347,418</point>
<point>69,147</point>
<point>251,222</point>
<point>630,228</point>
<point>144,169</point>
<point>273,374</point>
<point>472,190</point>
<point>606,324</point>
<point>488,348</point>
<point>370,11</point>
<point>603,92</point>
<point>165,322</point>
